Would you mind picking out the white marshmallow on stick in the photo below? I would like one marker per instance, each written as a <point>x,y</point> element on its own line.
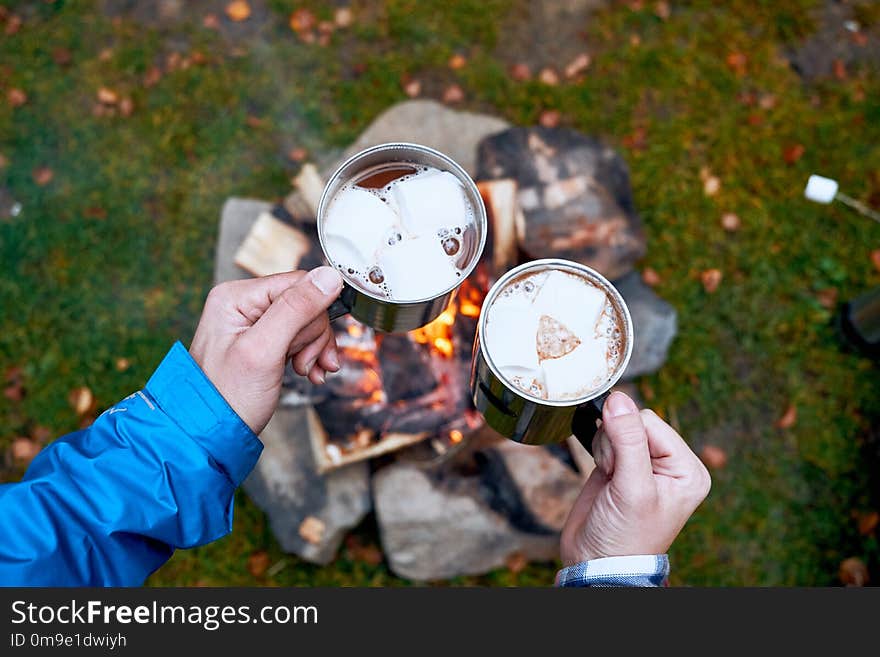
<point>826,190</point>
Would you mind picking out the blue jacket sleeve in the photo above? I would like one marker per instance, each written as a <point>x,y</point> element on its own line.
<point>108,505</point>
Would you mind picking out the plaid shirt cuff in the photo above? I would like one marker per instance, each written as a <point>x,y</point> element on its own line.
<point>638,570</point>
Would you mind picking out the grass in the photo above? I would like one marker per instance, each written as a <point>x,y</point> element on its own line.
<point>113,257</point>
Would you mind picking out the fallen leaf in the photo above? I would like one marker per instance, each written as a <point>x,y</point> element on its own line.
<point>41,435</point>
<point>827,298</point>
<point>412,88</point>
<point>258,563</point>
<point>13,25</point>
<point>747,98</point>
<point>312,529</point>
<point>788,418</point>
<point>868,522</point>
<point>520,72</point>
<point>853,572</point>
<point>4,161</point>
<point>105,55</point>
<point>62,56</point>
<point>637,140</point>
<point>326,27</point>
<point>549,77</point>
<point>107,96</point>
<point>550,118</point>
<point>713,456</point>
<point>711,279</point>
<point>122,364</point>
<point>42,175</point>
<point>82,400</point>
<point>23,450</point>
<point>324,40</point>
<point>839,69</point>
<point>737,62</point>
<point>578,65</point>
<point>255,121</point>
<point>457,62</point>
<point>14,392</point>
<point>453,94</point>
<point>859,38</point>
<point>16,97</point>
<point>650,277</point>
<point>343,17</point>
<point>365,552</point>
<point>298,154</point>
<point>755,119</point>
<point>126,106</point>
<point>875,259</point>
<point>730,222</point>
<point>635,40</point>
<point>302,20</point>
<point>516,562</point>
<point>198,57</point>
<point>211,21</point>
<point>793,153</point>
<point>711,185</point>
<point>767,101</point>
<point>238,10</point>
<point>662,10</point>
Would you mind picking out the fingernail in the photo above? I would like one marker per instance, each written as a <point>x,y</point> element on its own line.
<point>321,378</point>
<point>310,365</point>
<point>333,359</point>
<point>326,279</point>
<point>619,404</point>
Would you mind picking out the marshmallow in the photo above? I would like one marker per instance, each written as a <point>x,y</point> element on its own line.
<point>431,201</point>
<point>363,220</point>
<point>345,254</point>
<point>578,372</point>
<point>820,189</point>
<point>417,269</point>
<point>511,334</point>
<point>572,302</point>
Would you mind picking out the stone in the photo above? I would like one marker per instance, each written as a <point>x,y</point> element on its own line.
<point>427,122</point>
<point>655,324</point>
<point>298,500</point>
<point>574,193</point>
<point>470,515</point>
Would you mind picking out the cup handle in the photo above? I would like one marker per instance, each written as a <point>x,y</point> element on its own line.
<point>583,424</point>
<point>343,303</point>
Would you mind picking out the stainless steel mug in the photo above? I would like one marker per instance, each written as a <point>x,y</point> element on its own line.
<point>522,417</point>
<point>365,306</point>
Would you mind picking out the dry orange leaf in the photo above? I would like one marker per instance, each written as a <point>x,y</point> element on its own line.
<point>343,17</point>
<point>549,77</point>
<point>238,10</point>
<point>827,298</point>
<point>302,20</point>
<point>730,222</point>
<point>457,62</point>
<point>107,96</point>
<point>650,277</point>
<point>868,522</point>
<point>550,118</point>
<point>839,69</point>
<point>516,562</point>
<point>711,185</point>
<point>211,21</point>
<point>298,154</point>
<point>875,258</point>
<point>258,563</point>
<point>62,56</point>
<point>122,364</point>
<point>42,175</point>
<point>360,551</point>
<point>126,106</point>
<point>793,153</point>
<point>13,25</point>
<point>520,72</point>
<point>713,456</point>
<point>711,279</point>
<point>637,140</point>
<point>16,97</point>
<point>578,65</point>
<point>853,572</point>
<point>737,62</point>
<point>788,418</point>
<point>662,10</point>
<point>412,88</point>
<point>453,94</point>
<point>82,400</point>
<point>23,450</point>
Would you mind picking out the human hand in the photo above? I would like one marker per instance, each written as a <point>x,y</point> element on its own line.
<point>249,328</point>
<point>646,485</point>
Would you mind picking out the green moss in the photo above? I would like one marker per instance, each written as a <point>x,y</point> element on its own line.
<point>114,256</point>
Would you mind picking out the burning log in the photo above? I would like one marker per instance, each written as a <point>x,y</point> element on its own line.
<point>506,222</point>
<point>271,247</point>
<point>405,367</point>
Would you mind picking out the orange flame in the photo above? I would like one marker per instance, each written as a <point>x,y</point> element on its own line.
<point>470,299</point>
<point>456,436</point>
<point>438,333</point>
<point>355,330</point>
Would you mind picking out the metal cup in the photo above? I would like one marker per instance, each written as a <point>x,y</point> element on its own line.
<point>365,306</point>
<point>522,417</point>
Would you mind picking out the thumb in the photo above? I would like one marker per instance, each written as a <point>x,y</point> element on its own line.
<point>628,439</point>
<point>294,309</point>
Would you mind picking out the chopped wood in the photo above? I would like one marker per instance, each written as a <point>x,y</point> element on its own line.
<point>271,247</point>
<point>504,215</point>
<point>311,187</point>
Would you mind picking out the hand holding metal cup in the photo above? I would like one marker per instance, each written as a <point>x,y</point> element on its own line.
<point>528,414</point>
<point>361,295</point>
